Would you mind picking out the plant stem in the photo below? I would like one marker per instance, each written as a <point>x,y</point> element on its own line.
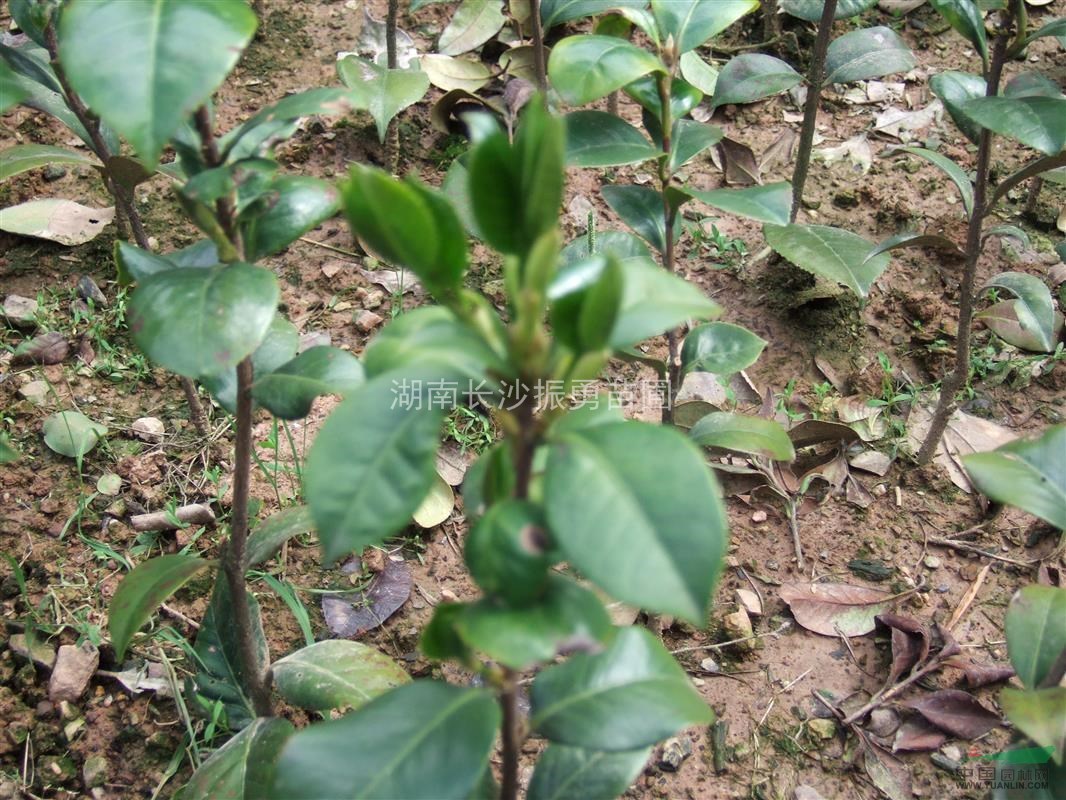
<point>669,219</point>
<point>234,565</point>
<point>127,209</point>
<point>815,74</point>
<point>392,132</point>
<point>955,380</point>
<point>539,62</point>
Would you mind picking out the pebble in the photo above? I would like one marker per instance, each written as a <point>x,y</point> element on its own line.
<point>945,763</point>
<point>750,602</point>
<point>943,588</point>
<point>883,722</point>
<point>53,172</point>
<point>88,290</point>
<point>35,391</point>
<point>710,665</point>
<point>758,516</point>
<point>738,626</point>
<point>148,429</point>
<point>94,771</point>
<point>20,311</point>
<point>932,562</point>
<point>73,670</point>
<point>366,321</point>
<point>805,792</point>
<point>674,751</point>
<point>373,299</point>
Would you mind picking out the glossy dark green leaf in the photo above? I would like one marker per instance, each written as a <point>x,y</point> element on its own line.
<point>33,63</point>
<point>32,18</point>
<point>199,254</point>
<point>1053,169</point>
<point>567,618</point>
<point>693,22</point>
<point>1033,121</point>
<point>423,741</point>
<point>1036,307</point>
<point>641,208</point>
<point>864,54</point>
<point>381,91</point>
<point>11,92</point>
<point>230,772</point>
<point>576,773</point>
<point>585,68</point>
<point>440,640</point>
<point>473,23</point>
<point>954,89</point>
<point>556,12</point>
<point>32,93</point>
<point>770,203</point>
<point>721,348</point>
<point>683,98</point>
<point>336,674</point>
<point>289,391</point>
<point>1036,633</point>
<point>133,64</point>
<point>832,253</point>
<point>743,434</point>
<point>270,534</point>
<point>490,480</point>
<point>966,18</point>
<point>753,76</point>
<point>599,139</point>
<point>135,264</point>
<point>633,507</point>
<point>691,138</point>
<point>278,121</point>
<point>951,169</point>
<point>1026,474</point>
<point>1032,84</point>
<point>143,590</point>
<point>23,157</point>
<point>811,10</point>
<point>374,460</point>
<point>1056,28</point>
<point>631,695</point>
<point>278,346</point>
<point>201,321</point>
<point>294,205</point>
<point>508,552</point>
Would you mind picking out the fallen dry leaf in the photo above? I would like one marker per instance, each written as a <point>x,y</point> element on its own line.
<point>965,434</point>
<point>855,150</point>
<point>917,735</point>
<point>48,348</point>
<point>351,615</point>
<point>737,161</point>
<point>890,775</point>
<point>903,125</point>
<point>834,609</point>
<point>957,713</point>
<point>910,644</point>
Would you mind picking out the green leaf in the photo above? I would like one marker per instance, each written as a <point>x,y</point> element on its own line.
<point>135,264</point>
<point>599,139</point>
<point>11,91</point>
<point>753,76</point>
<point>1033,121</point>
<point>1036,307</point>
<point>32,18</point>
<point>698,72</point>
<point>373,461</point>
<point>383,92</point>
<point>641,208</point>
<point>570,773</point>
<point>25,157</point>
<point>134,66</point>
<point>34,63</point>
<point>201,321</point>
<point>556,12</point>
<point>811,10</point>
<point>473,24</point>
<point>770,203</point>
<point>833,253</point>
<point>1040,715</point>
<point>1032,84</point>
<point>56,220</point>
<point>277,120</point>
<point>1057,28</point>
<point>624,246</point>
<point>567,618</point>
<point>36,92</point>
<point>631,695</point>
<point>72,434</point>
<point>950,168</point>
<point>585,68</point>
<point>278,346</point>
<point>743,434</point>
<point>449,73</point>
<point>908,239</point>
<point>633,507</point>
<point>683,98</point>
<point>289,391</point>
<point>965,17</point>
<point>690,138</point>
<point>426,739</point>
<point>270,534</point>
<point>336,674</point>
<point>143,590</point>
<point>721,348</point>
<point>231,773</point>
<point>954,89</point>
<point>864,54</point>
<point>294,205</point>
<point>600,307</point>
<point>1036,632</point>
<point>430,337</point>
<point>693,22</point>
<point>1026,474</point>
<point>407,225</point>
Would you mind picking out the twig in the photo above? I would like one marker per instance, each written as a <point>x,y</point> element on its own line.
<point>969,548</point>
<point>173,612</point>
<point>967,599</point>
<point>783,628</point>
<point>195,514</point>
<point>348,253</point>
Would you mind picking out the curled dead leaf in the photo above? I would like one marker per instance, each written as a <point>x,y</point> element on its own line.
<point>834,609</point>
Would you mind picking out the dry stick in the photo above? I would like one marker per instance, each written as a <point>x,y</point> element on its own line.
<point>888,694</point>
<point>123,197</point>
<point>815,75</point>
<point>669,217</point>
<point>966,547</point>
<point>235,562</point>
<point>954,380</point>
<point>539,66</point>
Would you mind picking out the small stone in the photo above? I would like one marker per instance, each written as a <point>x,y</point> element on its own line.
<point>148,429</point>
<point>373,299</point>
<point>674,751</point>
<point>943,589</point>
<point>952,751</point>
<point>750,602</point>
<point>759,516</point>
<point>44,709</point>
<point>738,626</point>
<point>88,290</point>
<point>332,268</point>
<point>932,562</point>
<point>366,321</point>
<point>945,763</point>
<point>94,771</point>
<point>883,722</point>
<point>772,565</point>
<point>710,665</point>
<point>37,651</point>
<point>35,391</point>
<point>73,670</point>
<point>58,768</point>
<point>20,311</point>
<point>53,172</point>
<point>448,596</point>
<point>805,792</point>
<point>823,728</point>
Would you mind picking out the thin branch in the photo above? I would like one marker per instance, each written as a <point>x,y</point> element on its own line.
<point>815,75</point>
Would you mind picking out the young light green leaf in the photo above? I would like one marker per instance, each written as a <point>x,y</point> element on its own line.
<point>448,74</point>
<point>336,674</point>
<point>1036,310</point>
<point>1026,474</point>
<point>270,534</point>
<point>585,68</point>
<point>142,591</point>
<point>811,10</point>
<point>289,391</point>
<point>294,205</point>
<point>655,301</point>
<point>1036,631</point>
<point>381,91</point>
<point>830,252</point>
<point>698,72</point>
<point>950,168</point>
<point>568,773</point>
<point>633,507</point>
<point>864,54</point>
<point>202,321</point>
<point>231,770</point>
<point>631,695</point>
<point>954,89</point>
<point>753,76</point>
<point>693,22</point>
<point>426,739</point>
<point>599,139</point>
<point>769,203</point>
<point>1040,715</point>
<point>641,208</point>
<point>473,24</point>
<point>743,434</point>
<point>72,434</point>
<point>721,348</point>
<point>133,65</point>
<point>23,157</point>
<point>1033,121</point>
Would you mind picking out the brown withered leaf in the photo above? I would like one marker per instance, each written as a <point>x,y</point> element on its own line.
<point>980,675</point>
<point>48,348</point>
<point>737,161</point>
<point>817,431</point>
<point>910,644</point>
<point>782,149</point>
<point>957,713</point>
<point>917,735</point>
<point>1050,576</point>
<point>890,775</point>
<point>352,615</point>
<point>834,609</point>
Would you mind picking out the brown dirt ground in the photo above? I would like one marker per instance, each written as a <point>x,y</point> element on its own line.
<point>764,694</point>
